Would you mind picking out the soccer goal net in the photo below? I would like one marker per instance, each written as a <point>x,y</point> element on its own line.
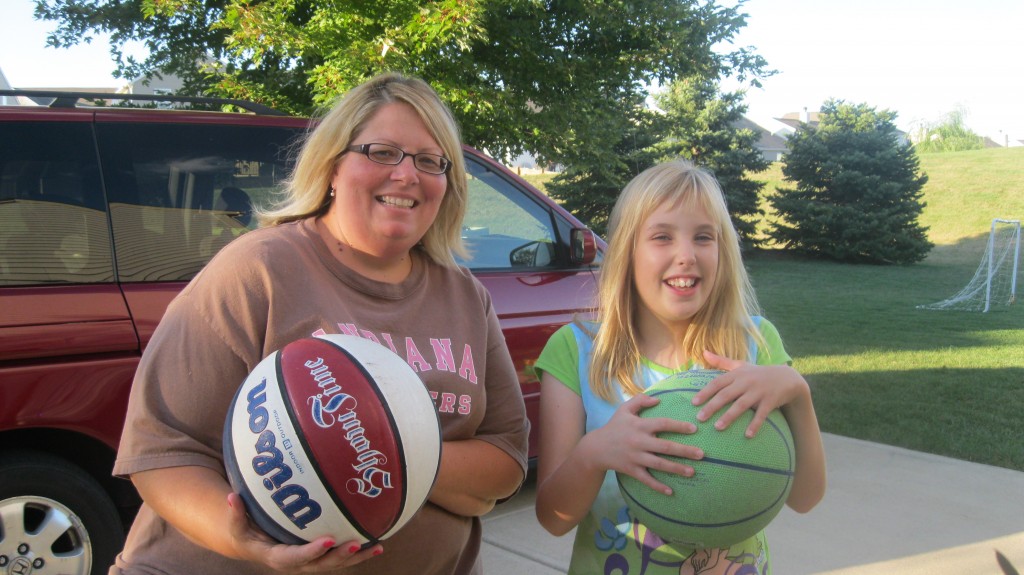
<point>995,282</point>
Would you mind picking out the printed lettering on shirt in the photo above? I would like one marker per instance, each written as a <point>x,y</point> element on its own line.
<point>414,357</point>
<point>343,328</point>
<point>390,344</point>
<point>467,370</point>
<point>441,356</point>
<point>446,403</point>
<point>443,353</point>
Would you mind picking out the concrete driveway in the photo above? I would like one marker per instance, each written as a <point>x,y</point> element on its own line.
<point>888,511</point>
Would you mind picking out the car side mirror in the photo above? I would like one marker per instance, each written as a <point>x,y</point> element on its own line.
<point>536,254</point>
<point>583,246</point>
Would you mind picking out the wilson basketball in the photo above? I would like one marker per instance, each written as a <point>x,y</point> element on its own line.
<point>332,436</point>
<point>737,489</point>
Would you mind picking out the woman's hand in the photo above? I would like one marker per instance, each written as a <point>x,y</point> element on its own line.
<point>630,444</point>
<point>199,503</point>
<point>762,388</point>
<point>317,556</point>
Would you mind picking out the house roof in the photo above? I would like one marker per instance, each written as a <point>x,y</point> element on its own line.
<point>11,100</point>
<point>811,116</point>
<point>796,119</point>
<point>766,140</point>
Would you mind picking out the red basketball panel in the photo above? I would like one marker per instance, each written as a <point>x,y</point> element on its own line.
<point>347,430</point>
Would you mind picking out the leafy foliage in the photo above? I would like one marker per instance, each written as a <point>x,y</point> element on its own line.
<point>858,190</point>
<point>704,125</point>
<point>695,121</point>
<point>591,182</point>
<point>949,136</point>
<point>545,76</point>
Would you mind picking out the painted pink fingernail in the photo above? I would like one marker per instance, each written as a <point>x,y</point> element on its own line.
<point>353,548</point>
<point>377,552</point>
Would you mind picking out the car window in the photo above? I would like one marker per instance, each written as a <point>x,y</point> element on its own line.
<point>53,228</point>
<point>179,193</point>
<point>504,226</point>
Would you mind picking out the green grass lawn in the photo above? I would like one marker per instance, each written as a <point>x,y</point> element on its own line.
<point>945,382</point>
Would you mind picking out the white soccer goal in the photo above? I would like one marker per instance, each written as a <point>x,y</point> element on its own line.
<point>995,282</point>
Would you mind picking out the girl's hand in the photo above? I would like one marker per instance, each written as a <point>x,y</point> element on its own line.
<point>629,444</point>
<point>317,556</point>
<point>762,388</point>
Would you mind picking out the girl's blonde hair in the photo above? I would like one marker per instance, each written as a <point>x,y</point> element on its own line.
<point>307,189</point>
<point>722,325</point>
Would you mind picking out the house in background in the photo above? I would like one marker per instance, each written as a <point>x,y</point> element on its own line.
<point>12,100</point>
<point>4,85</point>
<point>40,101</point>
<point>159,85</point>
<point>771,145</point>
<point>156,85</point>
<point>526,163</point>
<point>795,121</point>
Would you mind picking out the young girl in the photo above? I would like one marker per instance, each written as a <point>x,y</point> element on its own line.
<point>674,295</point>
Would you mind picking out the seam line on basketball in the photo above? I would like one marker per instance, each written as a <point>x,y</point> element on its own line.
<point>758,468</point>
<point>301,437</point>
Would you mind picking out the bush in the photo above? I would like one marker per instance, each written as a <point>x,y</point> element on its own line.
<point>949,136</point>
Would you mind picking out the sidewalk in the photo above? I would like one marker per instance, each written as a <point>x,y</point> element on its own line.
<point>887,511</point>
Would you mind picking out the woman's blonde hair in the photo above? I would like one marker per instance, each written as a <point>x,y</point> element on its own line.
<point>722,325</point>
<point>307,189</point>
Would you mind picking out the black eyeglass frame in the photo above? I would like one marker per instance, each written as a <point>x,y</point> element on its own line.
<point>364,149</point>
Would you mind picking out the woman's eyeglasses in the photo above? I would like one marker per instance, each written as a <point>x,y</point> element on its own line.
<point>392,156</point>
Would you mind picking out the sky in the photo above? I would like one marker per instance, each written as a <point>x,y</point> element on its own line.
<point>923,59</point>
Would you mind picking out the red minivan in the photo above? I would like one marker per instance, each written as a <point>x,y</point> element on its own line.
<point>106,211</point>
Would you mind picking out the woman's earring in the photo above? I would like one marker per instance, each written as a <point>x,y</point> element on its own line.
<point>331,190</point>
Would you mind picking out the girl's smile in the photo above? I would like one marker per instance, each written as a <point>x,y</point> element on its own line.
<point>675,262</point>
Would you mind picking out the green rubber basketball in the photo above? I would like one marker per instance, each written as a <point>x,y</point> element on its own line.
<point>739,486</point>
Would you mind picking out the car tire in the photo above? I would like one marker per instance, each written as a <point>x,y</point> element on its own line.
<point>56,518</point>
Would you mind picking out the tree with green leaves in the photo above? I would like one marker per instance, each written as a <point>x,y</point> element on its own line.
<point>594,175</point>
<point>858,190</point>
<point>707,127</point>
<point>545,76</point>
<point>950,135</point>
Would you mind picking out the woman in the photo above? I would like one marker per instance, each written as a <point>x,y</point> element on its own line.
<point>363,245</point>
